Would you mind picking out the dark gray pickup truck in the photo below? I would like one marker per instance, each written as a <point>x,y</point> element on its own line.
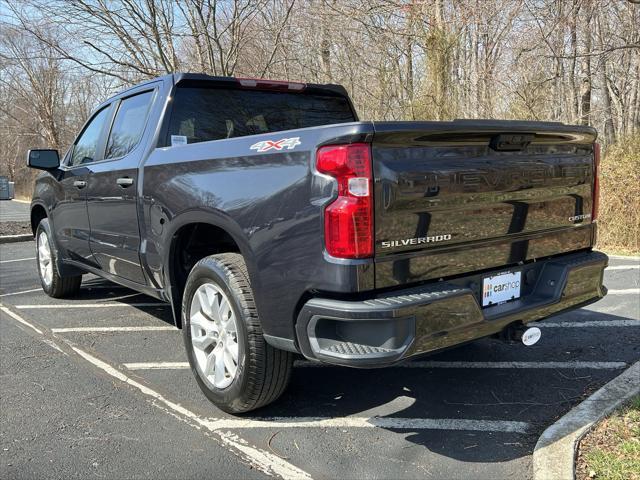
<point>275,223</point>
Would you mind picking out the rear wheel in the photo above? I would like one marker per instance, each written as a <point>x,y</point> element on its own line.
<point>233,365</point>
<point>53,284</point>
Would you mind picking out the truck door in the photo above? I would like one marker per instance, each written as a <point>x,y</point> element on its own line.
<point>69,214</point>
<point>112,190</point>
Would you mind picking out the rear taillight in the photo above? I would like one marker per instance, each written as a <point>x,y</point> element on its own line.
<point>596,181</point>
<point>348,220</point>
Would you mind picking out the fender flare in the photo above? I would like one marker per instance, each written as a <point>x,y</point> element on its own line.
<point>47,211</point>
<point>215,218</point>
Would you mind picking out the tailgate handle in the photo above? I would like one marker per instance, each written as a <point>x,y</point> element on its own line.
<point>510,142</point>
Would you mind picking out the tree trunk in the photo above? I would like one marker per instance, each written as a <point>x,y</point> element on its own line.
<point>573,36</point>
<point>585,97</point>
<point>609,126</point>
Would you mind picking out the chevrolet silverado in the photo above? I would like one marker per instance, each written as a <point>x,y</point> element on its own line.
<point>276,223</point>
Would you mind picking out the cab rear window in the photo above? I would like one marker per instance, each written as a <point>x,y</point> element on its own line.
<point>203,114</point>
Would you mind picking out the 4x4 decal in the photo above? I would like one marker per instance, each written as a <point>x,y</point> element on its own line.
<point>266,145</point>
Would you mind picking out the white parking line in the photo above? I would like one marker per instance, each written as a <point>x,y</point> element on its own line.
<point>21,292</point>
<point>374,422</point>
<point>263,460</point>
<point>19,319</point>
<point>112,286</point>
<point>624,267</point>
<point>625,257</point>
<point>518,365</point>
<point>625,291</point>
<point>276,464</point>
<point>267,462</point>
<point>113,329</point>
<point>90,305</point>
<point>17,260</point>
<point>88,287</point>
<point>588,323</point>
<point>421,364</point>
<point>157,365</point>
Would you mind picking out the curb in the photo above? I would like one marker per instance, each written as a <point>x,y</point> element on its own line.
<point>16,238</point>
<point>555,452</point>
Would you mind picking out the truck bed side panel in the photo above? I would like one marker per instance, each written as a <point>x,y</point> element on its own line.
<point>270,203</point>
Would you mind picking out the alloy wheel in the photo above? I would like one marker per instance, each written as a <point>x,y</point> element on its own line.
<point>44,259</point>
<point>214,335</point>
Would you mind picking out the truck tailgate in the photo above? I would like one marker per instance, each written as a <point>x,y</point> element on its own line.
<point>462,196</point>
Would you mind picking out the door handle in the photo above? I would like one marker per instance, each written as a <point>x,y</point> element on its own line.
<point>79,184</point>
<point>125,182</point>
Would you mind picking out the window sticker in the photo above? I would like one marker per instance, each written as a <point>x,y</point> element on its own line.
<point>177,140</point>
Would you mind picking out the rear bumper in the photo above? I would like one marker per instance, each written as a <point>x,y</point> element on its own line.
<point>392,327</point>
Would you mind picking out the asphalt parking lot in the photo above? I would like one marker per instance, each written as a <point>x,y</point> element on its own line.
<point>12,211</point>
<point>97,386</point>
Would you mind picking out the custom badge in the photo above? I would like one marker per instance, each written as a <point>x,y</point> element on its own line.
<point>266,145</point>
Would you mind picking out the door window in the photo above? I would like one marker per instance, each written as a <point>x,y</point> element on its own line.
<point>86,147</point>
<point>129,124</point>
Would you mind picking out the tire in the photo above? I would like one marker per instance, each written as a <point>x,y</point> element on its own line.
<point>261,372</point>
<point>53,284</point>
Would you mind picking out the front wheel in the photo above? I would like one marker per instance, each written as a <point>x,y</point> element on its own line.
<point>53,284</point>
<point>233,365</point>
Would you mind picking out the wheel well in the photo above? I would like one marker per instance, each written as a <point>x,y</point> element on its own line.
<point>37,214</point>
<point>191,243</point>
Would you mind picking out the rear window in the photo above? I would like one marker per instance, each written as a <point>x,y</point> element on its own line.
<point>203,114</point>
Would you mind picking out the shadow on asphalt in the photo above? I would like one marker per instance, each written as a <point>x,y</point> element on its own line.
<point>535,396</point>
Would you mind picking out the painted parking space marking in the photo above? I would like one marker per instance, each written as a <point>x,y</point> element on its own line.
<point>17,260</point>
<point>156,365</point>
<point>513,365</point>
<point>625,291</point>
<point>588,323</point>
<point>215,425</point>
<point>152,328</point>
<point>18,318</point>
<point>519,365</point>
<point>625,257</point>
<point>624,267</point>
<point>87,287</point>
<point>267,462</point>
<point>263,460</point>
<point>89,305</point>
<point>420,364</point>
<point>21,292</point>
<point>374,422</point>
<point>113,286</point>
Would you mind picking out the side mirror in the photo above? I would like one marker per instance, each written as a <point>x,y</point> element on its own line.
<point>43,159</point>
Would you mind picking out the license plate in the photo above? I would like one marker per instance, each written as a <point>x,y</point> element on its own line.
<point>500,288</point>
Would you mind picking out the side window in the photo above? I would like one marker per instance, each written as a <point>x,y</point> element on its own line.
<point>128,125</point>
<point>86,147</point>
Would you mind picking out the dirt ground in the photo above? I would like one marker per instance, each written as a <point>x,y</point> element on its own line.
<point>14,228</point>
